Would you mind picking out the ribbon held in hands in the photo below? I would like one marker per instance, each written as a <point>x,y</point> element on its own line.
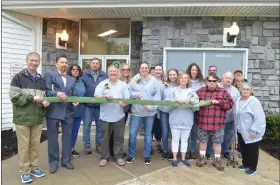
<point>127,101</point>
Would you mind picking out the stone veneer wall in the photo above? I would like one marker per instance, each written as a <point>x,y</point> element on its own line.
<point>259,34</point>
<point>136,45</point>
<point>49,50</point>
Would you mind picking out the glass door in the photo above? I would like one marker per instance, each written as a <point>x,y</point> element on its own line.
<point>104,60</point>
<point>86,59</point>
<point>114,60</point>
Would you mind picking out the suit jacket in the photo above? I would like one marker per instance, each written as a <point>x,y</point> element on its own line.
<point>54,84</point>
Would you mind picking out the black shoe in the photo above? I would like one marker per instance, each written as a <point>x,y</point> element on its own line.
<point>129,160</point>
<point>147,161</point>
<point>87,149</point>
<point>226,156</point>
<point>208,156</point>
<point>75,154</point>
<point>193,155</point>
<point>53,169</point>
<point>164,156</point>
<point>124,155</point>
<point>68,166</point>
<point>158,148</point>
<point>170,156</point>
<point>98,148</point>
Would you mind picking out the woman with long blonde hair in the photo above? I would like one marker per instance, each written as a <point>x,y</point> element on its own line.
<point>238,82</point>
<point>181,128</point>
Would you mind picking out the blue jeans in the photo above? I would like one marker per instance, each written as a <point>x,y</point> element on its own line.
<point>91,113</point>
<point>135,123</point>
<point>192,139</point>
<point>164,120</point>
<point>76,127</point>
<point>228,137</point>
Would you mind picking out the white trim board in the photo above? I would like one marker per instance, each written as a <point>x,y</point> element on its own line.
<point>245,59</point>
<point>17,21</point>
<point>132,3</point>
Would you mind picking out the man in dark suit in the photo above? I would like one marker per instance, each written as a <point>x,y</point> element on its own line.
<point>59,84</point>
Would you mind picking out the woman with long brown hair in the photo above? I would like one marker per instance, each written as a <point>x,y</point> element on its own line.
<point>196,82</point>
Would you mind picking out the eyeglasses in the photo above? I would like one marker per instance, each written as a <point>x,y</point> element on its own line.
<point>125,69</point>
<point>212,81</point>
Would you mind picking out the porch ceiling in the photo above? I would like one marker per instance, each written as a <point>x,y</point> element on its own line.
<point>143,8</point>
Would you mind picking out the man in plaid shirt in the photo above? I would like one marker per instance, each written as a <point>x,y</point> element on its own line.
<point>210,119</point>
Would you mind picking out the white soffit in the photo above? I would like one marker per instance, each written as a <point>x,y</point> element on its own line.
<point>143,8</point>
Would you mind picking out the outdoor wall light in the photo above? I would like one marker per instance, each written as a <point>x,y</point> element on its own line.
<point>63,38</point>
<point>233,32</point>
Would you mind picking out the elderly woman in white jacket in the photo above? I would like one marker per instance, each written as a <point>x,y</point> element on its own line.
<point>250,120</point>
<point>181,119</point>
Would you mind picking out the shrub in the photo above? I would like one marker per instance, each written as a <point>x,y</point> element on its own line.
<point>273,126</point>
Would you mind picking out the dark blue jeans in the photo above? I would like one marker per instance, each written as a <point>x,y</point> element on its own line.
<point>193,138</point>
<point>76,127</point>
<point>91,113</point>
<point>228,137</point>
<point>164,120</point>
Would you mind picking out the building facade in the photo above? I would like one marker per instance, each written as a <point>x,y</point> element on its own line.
<point>151,32</point>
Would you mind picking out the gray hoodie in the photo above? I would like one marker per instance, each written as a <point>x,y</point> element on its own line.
<point>249,118</point>
<point>167,89</point>
<point>149,89</point>
<point>196,84</point>
<point>179,117</point>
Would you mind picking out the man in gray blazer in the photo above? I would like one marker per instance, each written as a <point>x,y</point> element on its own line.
<point>59,84</point>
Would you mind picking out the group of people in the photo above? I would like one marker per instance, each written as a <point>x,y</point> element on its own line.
<point>234,113</point>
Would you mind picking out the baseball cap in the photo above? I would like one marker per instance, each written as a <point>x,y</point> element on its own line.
<point>238,71</point>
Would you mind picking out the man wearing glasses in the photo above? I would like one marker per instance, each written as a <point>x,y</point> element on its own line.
<point>210,119</point>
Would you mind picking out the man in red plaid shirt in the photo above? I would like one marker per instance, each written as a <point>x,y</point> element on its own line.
<point>210,119</point>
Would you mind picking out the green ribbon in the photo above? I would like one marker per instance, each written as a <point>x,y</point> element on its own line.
<point>127,101</point>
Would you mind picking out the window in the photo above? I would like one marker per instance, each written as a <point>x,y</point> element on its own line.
<point>105,37</point>
<point>225,59</point>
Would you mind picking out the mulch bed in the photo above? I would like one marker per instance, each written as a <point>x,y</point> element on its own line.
<point>9,143</point>
<point>272,147</point>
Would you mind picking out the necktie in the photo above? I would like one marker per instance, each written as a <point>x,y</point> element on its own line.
<point>63,74</point>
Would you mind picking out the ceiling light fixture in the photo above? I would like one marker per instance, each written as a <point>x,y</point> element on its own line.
<point>107,33</point>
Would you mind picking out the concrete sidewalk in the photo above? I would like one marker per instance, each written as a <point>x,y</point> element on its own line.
<point>87,171</point>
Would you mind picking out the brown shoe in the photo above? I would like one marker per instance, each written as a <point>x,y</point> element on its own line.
<point>201,161</point>
<point>193,155</point>
<point>218,164</point>
<point>188,155</point>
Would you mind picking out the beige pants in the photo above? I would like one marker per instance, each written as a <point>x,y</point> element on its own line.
<point>28,146</point>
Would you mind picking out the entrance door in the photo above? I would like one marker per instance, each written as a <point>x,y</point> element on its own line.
<point>105,60</point>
